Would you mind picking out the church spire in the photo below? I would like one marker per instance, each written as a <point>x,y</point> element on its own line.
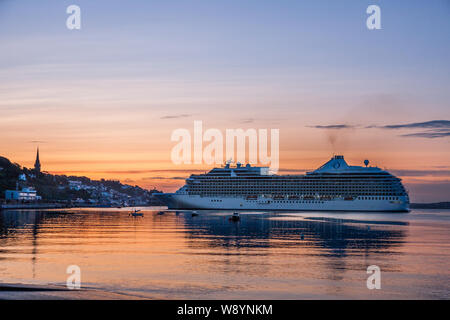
<point>37,163</point>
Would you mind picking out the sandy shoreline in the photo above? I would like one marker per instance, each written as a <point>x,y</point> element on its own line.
<point>17,291</point>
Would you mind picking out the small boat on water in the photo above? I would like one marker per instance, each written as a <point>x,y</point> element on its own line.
<point>160,213</point>
<point>194,213</point>
<point>137,213</point>
<point>235,217</point>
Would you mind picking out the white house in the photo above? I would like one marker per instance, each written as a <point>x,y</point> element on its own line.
<point>26,194</point>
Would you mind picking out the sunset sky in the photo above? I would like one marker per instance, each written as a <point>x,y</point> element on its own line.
<point>103,101</point>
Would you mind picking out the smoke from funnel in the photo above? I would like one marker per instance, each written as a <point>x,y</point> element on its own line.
<point>338,139</point>
<point>332,139</point>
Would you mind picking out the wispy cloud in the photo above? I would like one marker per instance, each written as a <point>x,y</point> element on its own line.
<point>177,116</point>
<point>430,129</point>
<point>435,129</point>
<point>334,126</point>
<point>162,178</point>
<point>429,135</point>
<point>434,124</point>
<point>187,171</point>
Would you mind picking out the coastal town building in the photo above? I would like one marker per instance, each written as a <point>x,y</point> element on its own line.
<point>75,185</point>
<point>37,163</point>
<point>26,194</point>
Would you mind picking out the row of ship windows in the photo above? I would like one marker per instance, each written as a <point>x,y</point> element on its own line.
<point>293,185</point>
<point>318,201</point>
<point>330,189</point>
<point>358,198</point>
<point>272,178</point>
<point>348,183</point>
<point>286,201</point>
<point>294,182</point>
<point>383,196</point>
<point>298,191</point>
<point>377,198</point>
<point>296,186</point>
<point>330,183</point>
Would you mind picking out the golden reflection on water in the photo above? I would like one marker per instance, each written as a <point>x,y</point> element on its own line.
<point>169,254</point>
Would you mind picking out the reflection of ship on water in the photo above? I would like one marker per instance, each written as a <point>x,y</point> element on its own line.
<point>256,230</point>
<point>334,239</point>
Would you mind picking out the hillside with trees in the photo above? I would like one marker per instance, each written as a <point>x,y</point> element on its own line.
<point>70,188</point>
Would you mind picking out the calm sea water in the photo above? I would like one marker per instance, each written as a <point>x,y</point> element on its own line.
<point>177,256</point>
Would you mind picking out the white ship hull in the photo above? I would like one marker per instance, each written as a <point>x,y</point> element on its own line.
<point>184,201</point>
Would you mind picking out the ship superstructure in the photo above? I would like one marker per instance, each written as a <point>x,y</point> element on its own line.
<point>335,186</point>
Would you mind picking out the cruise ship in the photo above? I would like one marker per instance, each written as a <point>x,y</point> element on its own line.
<point>335,186</point>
